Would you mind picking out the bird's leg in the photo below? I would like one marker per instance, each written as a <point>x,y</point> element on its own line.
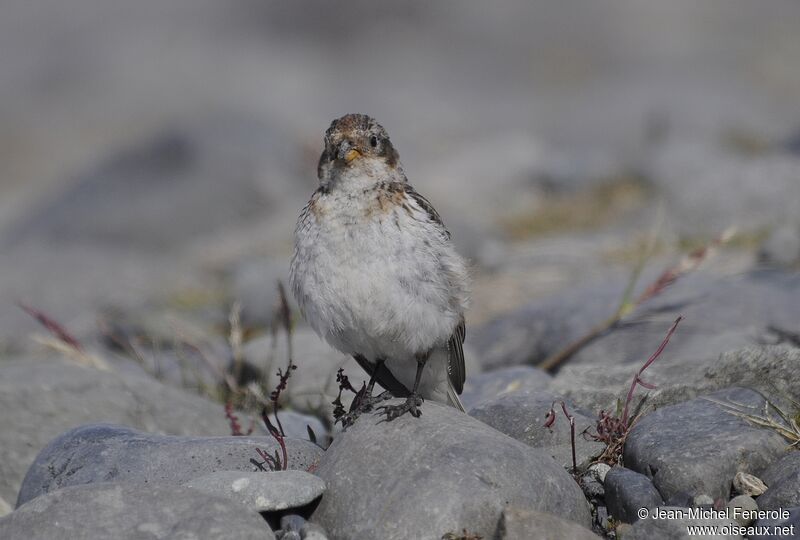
<point>364,400</point>
<point>413,401</point>
<point>367,400</point>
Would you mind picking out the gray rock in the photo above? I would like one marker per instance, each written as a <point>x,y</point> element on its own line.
<point>697,447</point>
<point>522,417</point>
<point>296,527</point>
<point>623,529</point>
<point>492,384</point>
<point>292,522</point>
<point>702,501</point>
<point>627,491</point>
<point>132,511</point>
<point>58,395</point>
<point>680,498</point>
<point>386,479</point>
<point>788,528</point>
<point>783,467</point>
<point>599,471</point>
<point>782,246</point>
<point>262,491</point>
<point>516,523</point>
<point>783,481</point>
<point>748,484</point>
<point>674,527</point>
<point>312,531</point>
<point>601,517</point>
<point>104,452</point>
<point>740,509</point>
<point>296,425</point>
<point>770,369</point>
<point>592,482</point>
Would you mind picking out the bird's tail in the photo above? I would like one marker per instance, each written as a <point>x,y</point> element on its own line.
<point>452,398</point>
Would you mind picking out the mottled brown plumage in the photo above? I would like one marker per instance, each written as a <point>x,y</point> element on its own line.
<point>375,271</point>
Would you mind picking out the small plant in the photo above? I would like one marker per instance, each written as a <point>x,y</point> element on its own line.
<point>279,462</point>
<point>63,341</point>
<point>773,417</point>
<point>612,430</point>
<point>339,411</point>
<point>550,419</point>
<point>255,393</point>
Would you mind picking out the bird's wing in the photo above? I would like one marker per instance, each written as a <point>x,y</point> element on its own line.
<point>383,377</point>
<point>425,205</point>
<point>455,357</point>
<point>455,363</point>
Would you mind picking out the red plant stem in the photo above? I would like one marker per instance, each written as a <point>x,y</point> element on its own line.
<point>236,429</point>
<point>278,420</point>
<point>572,436</point>
<point>285,460</point>
<point>653,357</point>
<point>52,326</point>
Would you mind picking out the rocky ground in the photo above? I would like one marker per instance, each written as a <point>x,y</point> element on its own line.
<point>152,240</point>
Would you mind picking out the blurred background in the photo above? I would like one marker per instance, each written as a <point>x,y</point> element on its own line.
<point>154,155</point>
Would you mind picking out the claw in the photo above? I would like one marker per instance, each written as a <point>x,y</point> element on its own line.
<point>396,411</point>
<point>364,405</point>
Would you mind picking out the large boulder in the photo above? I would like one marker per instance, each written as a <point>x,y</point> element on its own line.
<point>46,396</point>
<point>697,447</point>
<point>105,453</point>
<point>627,491</point>
<point>132,511</point>
<point>673,524</point>
<point>517,523</point>
<point>522,416</point>
<point>770,369</point>
<point>263,492</point>
<point>439,473</point>
<point>500,382</point>
<point>783,481</point>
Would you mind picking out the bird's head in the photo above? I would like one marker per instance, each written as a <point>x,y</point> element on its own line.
<point>357,147</point>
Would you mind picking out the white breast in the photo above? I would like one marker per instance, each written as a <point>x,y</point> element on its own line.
<point>380,283</point>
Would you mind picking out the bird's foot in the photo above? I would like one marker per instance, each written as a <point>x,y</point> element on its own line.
<point>396,411</point>
<point>362,403</point>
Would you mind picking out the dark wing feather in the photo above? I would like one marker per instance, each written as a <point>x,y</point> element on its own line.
<point>455,362</point>
<point>427,206</point>
<point>384,377</point>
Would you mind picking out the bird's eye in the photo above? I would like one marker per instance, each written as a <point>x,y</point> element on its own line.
<point>373,141</point>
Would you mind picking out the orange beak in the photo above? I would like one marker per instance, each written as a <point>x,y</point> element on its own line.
<point>351,155</point>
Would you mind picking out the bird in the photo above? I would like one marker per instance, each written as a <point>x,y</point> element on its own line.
<point>376,275</point>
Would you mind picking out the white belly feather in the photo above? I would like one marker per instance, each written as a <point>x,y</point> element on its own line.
<point>376,283</point>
